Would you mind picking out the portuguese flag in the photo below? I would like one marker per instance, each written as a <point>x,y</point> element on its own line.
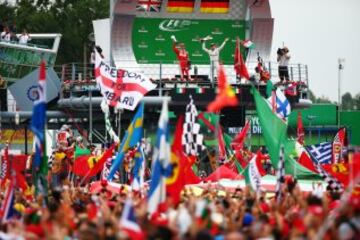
<point>215,6</point>
<point>180,6</point>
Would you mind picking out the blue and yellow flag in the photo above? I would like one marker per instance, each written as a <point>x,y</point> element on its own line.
<point>132,137</point>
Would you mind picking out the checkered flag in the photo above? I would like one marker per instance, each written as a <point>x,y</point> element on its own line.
<point>280,174</point>
<point>332,183</point>
<point>192,140</point>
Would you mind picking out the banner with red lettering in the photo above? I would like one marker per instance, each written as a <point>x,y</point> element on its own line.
<point>121,88</point>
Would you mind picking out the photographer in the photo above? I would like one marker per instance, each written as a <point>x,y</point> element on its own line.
<point>283,58</point>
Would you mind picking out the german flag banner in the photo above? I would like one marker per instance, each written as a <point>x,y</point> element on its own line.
<point>181,6</point>
<point>214,6</point>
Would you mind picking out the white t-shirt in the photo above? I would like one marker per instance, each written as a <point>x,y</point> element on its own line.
<point>284,59</point>
<point>24,38</point>
<point>6,36</point>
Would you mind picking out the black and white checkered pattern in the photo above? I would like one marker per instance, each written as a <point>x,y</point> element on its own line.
<point>280,173</point>
<point>332,183</point>
<point>192,140</point>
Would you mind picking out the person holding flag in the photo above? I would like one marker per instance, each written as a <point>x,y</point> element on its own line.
<point>183,58</point>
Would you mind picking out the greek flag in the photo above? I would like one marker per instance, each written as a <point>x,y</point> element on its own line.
<point>321,153</point>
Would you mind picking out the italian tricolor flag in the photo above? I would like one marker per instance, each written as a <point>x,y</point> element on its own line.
<point>180,90</point>
<point>253,173</point>
<point>248,44</point>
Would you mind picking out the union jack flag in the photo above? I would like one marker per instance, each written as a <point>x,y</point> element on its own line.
<point>149,5</point>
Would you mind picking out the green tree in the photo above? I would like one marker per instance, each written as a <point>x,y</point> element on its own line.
<point>72,18</point>
<point>347,102</point>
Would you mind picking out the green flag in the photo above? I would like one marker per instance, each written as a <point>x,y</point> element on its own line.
<point>269,88</point>
<point>274,132</point>
<point>273,128</point>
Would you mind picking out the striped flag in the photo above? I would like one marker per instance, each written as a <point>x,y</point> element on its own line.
<point>320,153</point>
<point>7,208</point>
<point>248,44</point>
<point>39,118</point>
<point>181,6</point>
<point>280,174</point>
<point>339,145</point>
<point>253,172</point>
<point>161,167</point>
<point>215,6</point>
<point>128,222</point>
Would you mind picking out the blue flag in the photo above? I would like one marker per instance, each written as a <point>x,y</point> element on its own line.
<point>39,118</point>
<point>132,137</point>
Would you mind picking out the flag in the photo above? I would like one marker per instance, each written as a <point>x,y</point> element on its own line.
<point>300,129</point>
<point>332,182</point>
<point>181,165</point>
<point>280,174</point>
<point>181,6</point>
<point>238,141</point>
<point>338,145</point>
<point>161,167</point>
<point>132,137</point>
<point>121,88</point>
<point>253,172</point>
<point>39,118</point>
<point>269,88</point>
<point>192,140</point>
<point>321,153</point>
<point>248,44</point>
<point>81,151</point>
<point>7,208</point>
<point>139,169</point>
<point>274,132</point>
<point>280,104</point>
<point>129,224</point>
<point>215,6</point>
<point>5,167</point>
<point>226,96</point>
<point>239,64</point>
<point>149,5</point>
<point>273,129</point>
<point>221,144</point>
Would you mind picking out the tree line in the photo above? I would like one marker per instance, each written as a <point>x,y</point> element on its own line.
<point>72,18</point>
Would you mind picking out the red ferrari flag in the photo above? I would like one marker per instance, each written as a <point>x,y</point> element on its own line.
<point>338,145</point>
<point>226,96</point>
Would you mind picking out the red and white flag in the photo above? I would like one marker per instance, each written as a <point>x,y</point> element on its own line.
<point>121,88</point>
<point>338,145</point>
<point>300,129</point>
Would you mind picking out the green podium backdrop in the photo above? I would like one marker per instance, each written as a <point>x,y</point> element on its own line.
<point>151,38</point>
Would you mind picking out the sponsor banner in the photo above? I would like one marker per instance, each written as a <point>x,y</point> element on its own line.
<point>151,38</point>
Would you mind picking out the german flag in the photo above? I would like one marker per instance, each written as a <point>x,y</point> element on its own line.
<point>180,6</point>
<point>215,6</point>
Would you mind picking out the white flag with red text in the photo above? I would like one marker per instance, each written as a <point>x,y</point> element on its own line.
<point>121,88</point>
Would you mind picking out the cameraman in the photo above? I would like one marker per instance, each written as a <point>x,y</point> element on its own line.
<point>283,58</point>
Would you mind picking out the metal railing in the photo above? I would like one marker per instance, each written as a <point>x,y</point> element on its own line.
<point>77,76</point>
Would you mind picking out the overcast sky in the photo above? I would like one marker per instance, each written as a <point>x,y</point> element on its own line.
<point>317,33</point>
